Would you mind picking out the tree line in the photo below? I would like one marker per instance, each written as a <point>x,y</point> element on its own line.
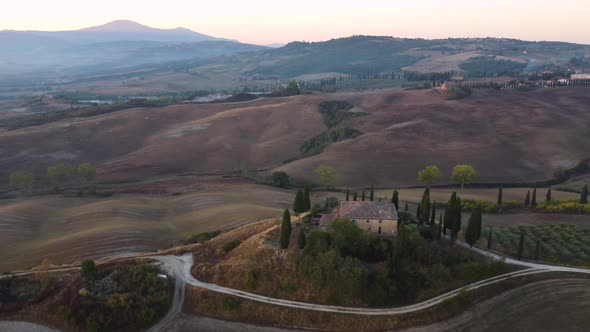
<point>58,175</point>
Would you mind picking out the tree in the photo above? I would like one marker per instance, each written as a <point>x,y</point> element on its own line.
<point>301,241</point>
<point>88,269</point>
<point>433,213</point>
<point>527,199</point>
<point>285,230</point>
<point>473,231</point>
<point>306,198</point>
<point>298,204</point>
<point>418,211</point>
<point>537,249</point>
<point>424,213</point>
<point>354,197</point>
<point>429,175</point>
<point>58,174</point>
<point>490,237</point>
<point>500,192</point>
<point>584,196</point>
<point>464,174</point>
<point>87,172</point>
<point>22,181</point>
<point>327,174</point>
<point>395,199</point>
<point>372,194</point>
<point>279,179</point>
<point>534,198</point>
<point>406,207</point>
<point>521,244</point>
<point>440,227</point>
<point>347,193</point>
<point>363,196</point>
<point>548,196</point>
<point>457,218</point>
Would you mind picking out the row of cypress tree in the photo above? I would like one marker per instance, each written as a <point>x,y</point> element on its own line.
<point>355,194</point>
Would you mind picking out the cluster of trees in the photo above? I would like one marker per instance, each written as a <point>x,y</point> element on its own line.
<point>301,204</point>
<point>363,196</point>
<point>58,175</point>
<point>462,174</point>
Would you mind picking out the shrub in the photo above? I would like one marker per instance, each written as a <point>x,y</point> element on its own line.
<point>88,269</point>
<point>231,245</point>
<point>231,304</point>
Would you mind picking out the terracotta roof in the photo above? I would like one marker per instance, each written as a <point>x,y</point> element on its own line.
<point>326,218</point>
<point>367,210</point>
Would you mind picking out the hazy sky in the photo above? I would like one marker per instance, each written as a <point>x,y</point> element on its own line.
<point>264,22</point>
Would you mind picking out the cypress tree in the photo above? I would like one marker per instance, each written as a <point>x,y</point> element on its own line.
<point>548,196</point>
<point>354,197</point>
<point>425,206</point>
<point>490,237</point>
<point>306,198</point>
<point>347,193</point>
<point>433,214</point>
<point>372,195</point>
<point>584,196</point>
<point>445,224</point>
<point>395,199</point>
<point>457,215</point>
<point>285,229</point>
<point>298,205</point>
<point>301,240</point>
<point>473,231</point>
<point>521,244</point>
<point>418,210</point>
<point>406,207</point>
<point>363,196</point>
<point>440,227</point>
<point>527,199</point>
<point>534,198</point>
<point>500,192</point>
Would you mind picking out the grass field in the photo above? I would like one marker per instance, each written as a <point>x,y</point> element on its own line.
<point>70,229</point>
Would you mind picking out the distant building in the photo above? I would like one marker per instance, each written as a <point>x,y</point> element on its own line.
<point>376,217</point>
<point>580,77</point>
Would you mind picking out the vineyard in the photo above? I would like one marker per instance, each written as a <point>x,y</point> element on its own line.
<point>557,243</point>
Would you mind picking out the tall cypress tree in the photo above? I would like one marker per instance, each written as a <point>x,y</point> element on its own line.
<point>440,227</point>
<point>456,223</point>
<point>500,192</point>
<point>537,249</point>
<point>306,198</point>
<point>425,206</point>
<point>363,195</point>
<point>584,195</point>
<point>298,205</point>
<point>347,193</point>
<point>372,195</point>
<point>433,214</point>
<point>527,199</point>
<point>285,230</point>
<point>490,237</point>
<point>445,224</point>
<point>354,197</point>
<point>521,244</point>
<point>548,196</point>
<point>395,199</point>
<point>473,231</point>
<point>534,198</point>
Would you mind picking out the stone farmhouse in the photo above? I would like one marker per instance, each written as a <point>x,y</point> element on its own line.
<point>376,217</point>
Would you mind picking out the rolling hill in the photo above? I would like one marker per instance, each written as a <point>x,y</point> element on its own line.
<point>505,135</point>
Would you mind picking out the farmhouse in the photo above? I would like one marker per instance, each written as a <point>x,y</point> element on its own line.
<point>376,217</point>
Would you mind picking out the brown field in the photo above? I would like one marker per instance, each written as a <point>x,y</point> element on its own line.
<point>505,135</point>
<point>70,229</point>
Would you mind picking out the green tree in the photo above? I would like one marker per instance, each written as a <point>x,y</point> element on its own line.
<point>464,174</point>
<point>429,175</point>
<point>500,192</point>
<point>584,196</point>
<point>285,230</point>
<point>88,269</point>
<point>395,199</point>
<point>433,213</point>
<point>424,213</point>
<point>534,198</point>
<point>58,174</point>
<point>279,179</point>
<point>537,249</point>
<point>527,199</point>
<point>548,196</point>
<point>363,195</point>
<point>355,196</point>
<point>299,204</point>
<point>22,181</point>
<point>306,198</point>
<point>521,244</point>
<point>372,194</point>
<point>327,174</point>
<point>440,227</point>
<point>301,241</point>
<point>490,237</point>
<point>473,231</point>
<point>347,193</point>
<point>87,172</point>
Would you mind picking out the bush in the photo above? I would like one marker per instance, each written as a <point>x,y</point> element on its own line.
<point>88,269</point>
<point>231,304</point>
<point>231,245</point>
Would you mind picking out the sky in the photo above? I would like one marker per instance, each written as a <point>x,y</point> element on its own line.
<point>276,21</point>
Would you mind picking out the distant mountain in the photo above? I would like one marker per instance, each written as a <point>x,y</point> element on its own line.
<point>118,43</point>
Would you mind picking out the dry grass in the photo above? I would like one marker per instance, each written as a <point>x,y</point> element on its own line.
<point>70,229</point>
